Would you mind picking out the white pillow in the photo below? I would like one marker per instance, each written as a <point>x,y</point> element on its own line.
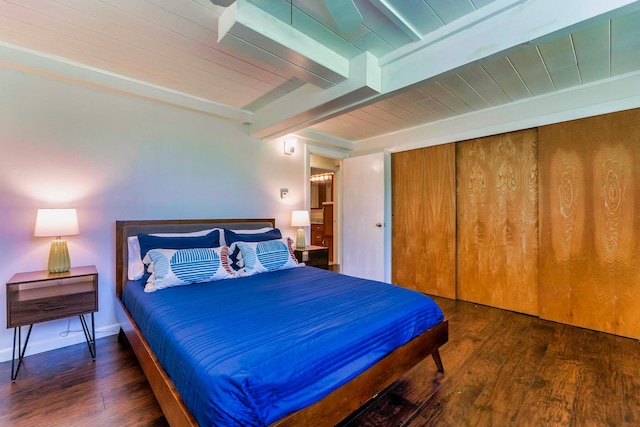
<point>135,266</point>
<point>178,267</point>
<point>270,255</point>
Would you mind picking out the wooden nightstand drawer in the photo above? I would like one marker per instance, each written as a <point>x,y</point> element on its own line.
<point>51,308</point>
<point>314,256</point>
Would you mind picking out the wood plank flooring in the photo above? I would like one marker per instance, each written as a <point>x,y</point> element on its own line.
<point>501,369</point>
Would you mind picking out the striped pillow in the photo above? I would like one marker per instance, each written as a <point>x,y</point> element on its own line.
<point>177,267</point>
<point>270,255</point>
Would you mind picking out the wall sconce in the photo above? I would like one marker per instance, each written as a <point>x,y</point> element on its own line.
<point>290,146</point>
<point>300,219</point>
<point>57,223</point>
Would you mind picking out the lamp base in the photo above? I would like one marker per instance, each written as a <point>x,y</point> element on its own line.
<point>300,239</point>
<point>59,261</point>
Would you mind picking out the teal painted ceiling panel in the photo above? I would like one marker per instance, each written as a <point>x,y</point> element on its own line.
<point>448,10</point>
<point>592,47</point>
<point>418,14</point>
<point>374,44</point>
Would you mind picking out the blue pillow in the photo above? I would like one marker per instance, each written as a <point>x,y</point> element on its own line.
<point>148,242</point>
<point>235,256</point>
<point>232,237</point>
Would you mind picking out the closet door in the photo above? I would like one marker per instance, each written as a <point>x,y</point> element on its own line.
<point>497,218</point>
<point>424,220</point>
<point>590,223</point>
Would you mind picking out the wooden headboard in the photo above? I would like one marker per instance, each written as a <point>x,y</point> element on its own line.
<point>124,229</point>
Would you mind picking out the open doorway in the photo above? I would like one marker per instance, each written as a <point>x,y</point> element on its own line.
<point>324,177</point>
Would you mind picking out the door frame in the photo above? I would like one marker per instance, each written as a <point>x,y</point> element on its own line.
<point>332,153</point>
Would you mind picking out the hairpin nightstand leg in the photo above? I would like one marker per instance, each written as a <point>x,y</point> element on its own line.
<point>17,333</point>
<point>90,336</point>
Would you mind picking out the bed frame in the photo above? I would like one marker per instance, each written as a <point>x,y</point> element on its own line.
<point>328,411</point>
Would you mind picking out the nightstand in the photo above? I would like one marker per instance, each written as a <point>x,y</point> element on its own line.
<point>39,296</point>
<point>314,256</point>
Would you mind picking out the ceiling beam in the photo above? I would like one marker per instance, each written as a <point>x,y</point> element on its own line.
<point>310,104</point>
<point>395,17</point>
<point>260,34</point>
<point>223,3</point>
<point>325,139</point>
<point>31,61</point>
<point>492,30</point>
<point>601,97</point>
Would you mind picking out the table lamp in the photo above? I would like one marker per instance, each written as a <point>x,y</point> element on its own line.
<point>300,219</point>
<point>57,223</point>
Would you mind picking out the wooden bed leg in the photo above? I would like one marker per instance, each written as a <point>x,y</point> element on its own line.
<point>436,358</point>
<point>122,338</point>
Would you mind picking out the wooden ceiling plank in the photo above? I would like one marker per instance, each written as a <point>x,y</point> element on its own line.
<point>418,13</point>
<point>398,19</point>
<point>415,94</point>
<point>204,14</point>
<point>324,35</point>
<point>444,96</point>
<point>366,115</point>
<point>474,36</point>
<point>567,77</point>
<point>480,3</point>
<point>458,87</point>
<point>625,44</point>
<point>72,23</point>
<point>165,36</point>
<point>203,34</point>
<point>173,45</point>
<point>380,24</point>
<point>206,30</point>
<point>355,127</point>
<point>529,65</point>
<point>374,44</point>
<point>502,72</point>
<point>592,47</point>
<point>558,53</point>
<point>75,48</point>
<point>30,61</point>
<point>450,10</point>
<point>413,107</point>
<point>382,111</point>
<point>478,78</point>
<point>437,107</point>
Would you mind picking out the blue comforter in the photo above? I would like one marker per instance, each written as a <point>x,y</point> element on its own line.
<point>248,351</point>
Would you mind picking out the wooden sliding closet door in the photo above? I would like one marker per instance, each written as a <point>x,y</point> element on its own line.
<point>497,236</point>
<point>424,220</point>
<point>590,223</point>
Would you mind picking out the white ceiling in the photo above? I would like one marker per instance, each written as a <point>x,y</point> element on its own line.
<point>285,67</point>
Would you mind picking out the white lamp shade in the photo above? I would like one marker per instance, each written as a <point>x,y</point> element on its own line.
<point>56,222</point>
<point>300,219</point>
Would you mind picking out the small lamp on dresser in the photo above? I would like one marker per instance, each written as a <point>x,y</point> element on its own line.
<point>57,223</point>
<point>300,219</point>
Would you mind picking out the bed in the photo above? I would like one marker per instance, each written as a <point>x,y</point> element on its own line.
<point>322,409</point>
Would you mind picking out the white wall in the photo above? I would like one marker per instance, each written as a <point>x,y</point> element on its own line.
<point>113,157</point>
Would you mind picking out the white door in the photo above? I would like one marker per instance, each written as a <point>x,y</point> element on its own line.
<point>366,231</point>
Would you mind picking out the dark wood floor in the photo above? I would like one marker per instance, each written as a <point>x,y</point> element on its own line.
<point>501,369</point>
